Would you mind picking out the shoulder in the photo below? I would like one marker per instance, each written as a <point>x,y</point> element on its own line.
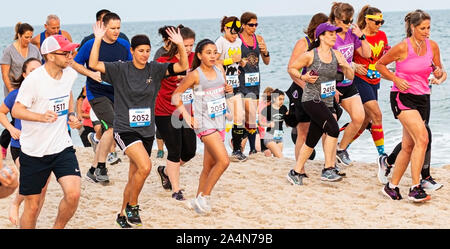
<point>66,34</point>
<point>124,43</point>
<point>433,44</point>
<point>221,39</point>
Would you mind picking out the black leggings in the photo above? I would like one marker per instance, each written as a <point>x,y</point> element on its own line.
<point>426,163</point>
<point>181,143</point>
<point>322,121</point>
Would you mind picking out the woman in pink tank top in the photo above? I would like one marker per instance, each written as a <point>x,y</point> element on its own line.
<point>416,58</point>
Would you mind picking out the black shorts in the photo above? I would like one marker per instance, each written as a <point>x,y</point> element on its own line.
<point>406,101</point>
<point>367,91</point>
<point>127,139</point>
<point>15,153</point>
<point>296,112</point>
<point>181,142</point>
<point>104,110</point>
<point>35,171</point>
<point>347,92</point>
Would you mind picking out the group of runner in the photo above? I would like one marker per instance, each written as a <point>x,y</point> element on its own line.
<point>185,93</point>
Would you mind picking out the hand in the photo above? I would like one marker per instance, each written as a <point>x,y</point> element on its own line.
<point>8,176</point>
<point>175,36</point>
<point>99,29</point>
<point>438,73</point>
<point>15,133</point>
<point>356,30</point>
<point>74,123</point>
<point>337,96</point>
<point>401,84</point>
<point>262,47</point>
<point>243,62</point>
<point>360,69</point>
<point>309,78</point>
<point>49,117</point>
<point>236,57</point>
<point>228,88</point>
<point>97,76</point>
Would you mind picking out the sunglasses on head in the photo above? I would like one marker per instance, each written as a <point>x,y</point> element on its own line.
<point>252,25</point>
<point>377,22</point>
<point>346,22</point>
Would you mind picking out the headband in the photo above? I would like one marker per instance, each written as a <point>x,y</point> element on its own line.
<point>376,17</point>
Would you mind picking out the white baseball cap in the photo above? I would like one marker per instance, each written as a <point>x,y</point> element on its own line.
<point>57,42</point>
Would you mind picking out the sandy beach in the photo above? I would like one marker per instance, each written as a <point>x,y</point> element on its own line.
<point>251,195</point>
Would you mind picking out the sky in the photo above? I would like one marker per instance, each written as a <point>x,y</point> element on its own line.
<point>35,12</point>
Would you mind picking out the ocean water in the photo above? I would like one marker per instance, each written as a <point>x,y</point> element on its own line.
<point>281,34</point>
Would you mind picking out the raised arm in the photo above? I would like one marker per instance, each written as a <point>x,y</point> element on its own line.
<point>345,67</point>
<point>263,48</point>
<point>99,32</point>
<point>176,38</point>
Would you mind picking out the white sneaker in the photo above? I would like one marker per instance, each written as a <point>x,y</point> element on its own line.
<point>430,184</point>
<point>383,169</point>
<point>113,158</point>
<point>201,204</point>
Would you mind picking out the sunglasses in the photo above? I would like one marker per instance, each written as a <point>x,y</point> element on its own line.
<point>377,22</point>
<point>66,54</point>
<point>252,25</point>
<point>347,22</point>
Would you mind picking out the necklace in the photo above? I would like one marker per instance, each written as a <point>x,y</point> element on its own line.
<point>419,45</point>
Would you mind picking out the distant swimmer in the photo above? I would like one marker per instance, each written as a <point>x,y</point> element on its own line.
<point>210,104</point>
<point>136,85</point>
<point>45,106</point>
<point>416,58</point>
<point>322,63</point>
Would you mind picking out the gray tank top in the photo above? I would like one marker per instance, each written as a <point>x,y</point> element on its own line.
<point>209,102</point>
<point>325,86</point>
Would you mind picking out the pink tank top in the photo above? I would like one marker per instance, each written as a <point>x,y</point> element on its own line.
<point>416,70</point>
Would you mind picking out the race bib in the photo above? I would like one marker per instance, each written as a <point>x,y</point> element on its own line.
<point>233,80</point>
<point>327,89</point>
<point>140,117</point>
<point>252,79</point>
<point>217,107</point>
<point>60,105</point>
<point>188,96</point>
<point>278,134</point>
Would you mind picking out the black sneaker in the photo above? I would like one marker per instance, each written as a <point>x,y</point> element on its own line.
<point>133,215</point>
<point>394,193</point>
<point>238,156</point>
<point>122,221</point>
<point>101,175</point>
<point>91,174</point>
<point>417,194</point>
<point>165,181</point>
<point>252,153</point>
<point>179,195</point>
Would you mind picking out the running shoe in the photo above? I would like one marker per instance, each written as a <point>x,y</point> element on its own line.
<point>339,170</point>
<point>201,204</point>
<point>383,169</point>
<point>252,153</point>
<point>417,194</point>
<point>165,181</point>
<point>179,195</point>
<point>343,158</point>
<point>133,215</point>
<point>430,184</point>
<point>394,194</point>
<point>101,175</point>
<point>93,141</point>
<point>160,154</point>
<point>122,221</point>
<point>113,158</point>
<point>91,174</point>
<point>330,175</point>
<point>238,156</point>
<point>295,178</point>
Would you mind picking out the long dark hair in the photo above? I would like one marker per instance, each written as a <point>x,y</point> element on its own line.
<point>186,33</point>
<point>21,28</point>
<point>415,18</point>
<point>198,50</point>
<point>366,10</point>
<point>316,20</point>
<point>18,82</point>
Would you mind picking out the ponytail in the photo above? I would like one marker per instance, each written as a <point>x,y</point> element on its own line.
<point>21,28</point>
<point>415,18</point>
<point>340,10</point>
<point>198,50</point>
<point>366,10</point>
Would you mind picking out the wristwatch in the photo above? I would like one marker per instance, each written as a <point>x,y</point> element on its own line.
<point>363,37</point>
